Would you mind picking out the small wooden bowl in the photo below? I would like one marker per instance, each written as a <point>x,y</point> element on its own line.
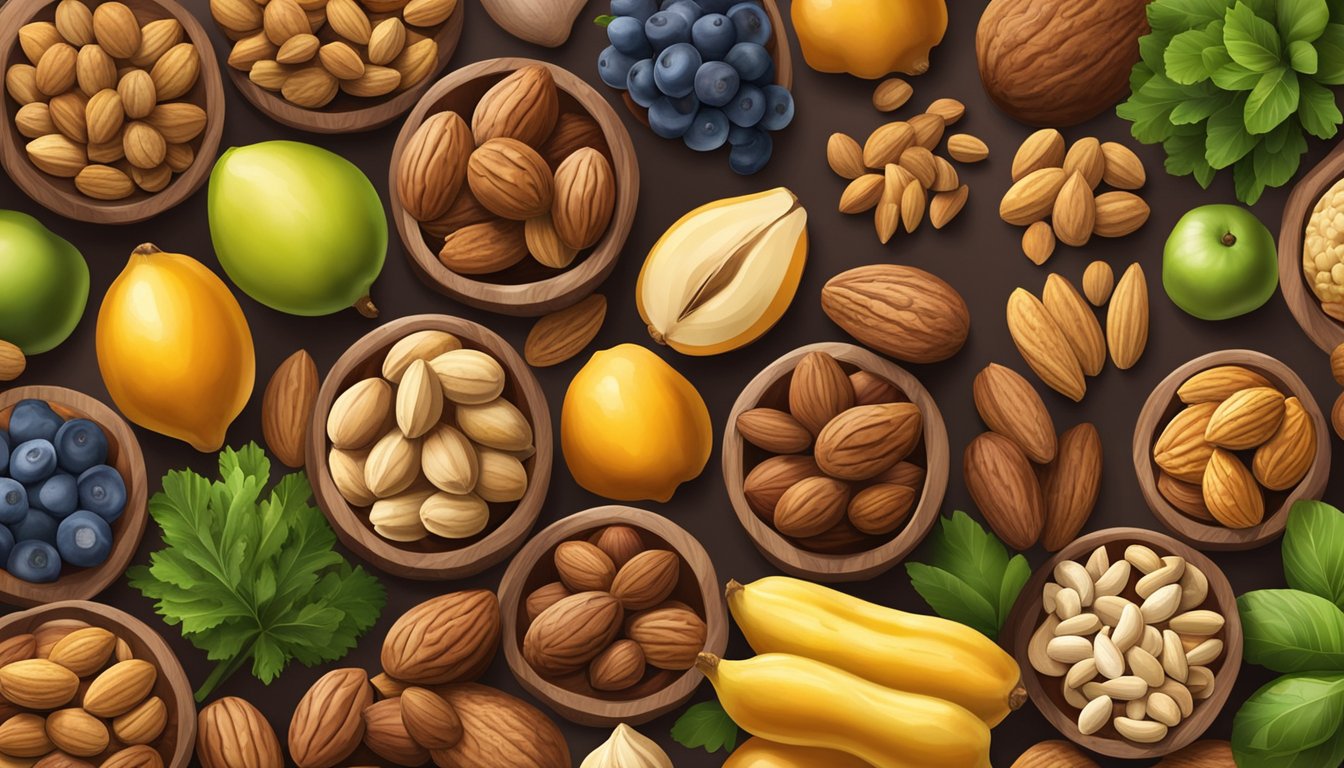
<point>777,47</point>
<point>178,742</point>
<point>1325,331</point>
<point>433,558</point>
<point>59,195</point>
<point>770,389</point>
<point>123,455</point>
<point>527,289</point>
<point>1163,404</point>
<point>1048,694</point>
<point>572,697</point>
<point>346,113</point>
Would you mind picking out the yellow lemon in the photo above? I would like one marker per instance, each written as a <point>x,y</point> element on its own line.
<point>632,428</point>
<point>174,348</point>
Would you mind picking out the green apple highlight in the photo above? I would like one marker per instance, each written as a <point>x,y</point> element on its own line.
<point>44,284</point>
<point>1219,262</point>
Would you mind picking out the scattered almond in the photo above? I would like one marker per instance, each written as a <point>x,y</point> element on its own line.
<point>892,94</point>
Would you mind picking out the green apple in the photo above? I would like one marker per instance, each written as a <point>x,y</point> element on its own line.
<point>296,227</point>
<point>44,284</point>
<point>1220,262</point>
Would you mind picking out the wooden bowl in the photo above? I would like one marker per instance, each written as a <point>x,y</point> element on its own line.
<point>433,558</point>
<point>1325,331</point>
<point>178,742</point>
<point>346,113</point>
<point>124,455</point>
<point>527,289</point>
<point>60,195</point>
<point>778,48</point>
<point>1163,404</point>
<point>770,389</point>
<point>572,697</point>
<point>1047,693</point>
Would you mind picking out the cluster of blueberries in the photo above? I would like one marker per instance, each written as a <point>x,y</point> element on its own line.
<point>701,69</point>
<point>58,496</point>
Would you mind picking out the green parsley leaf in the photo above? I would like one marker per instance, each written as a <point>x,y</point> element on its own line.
<point>604,20</point>
<point>969,577</point>
<point>1185,154</point>
<point>1302,20</point>
<point>1251,41</point>
<point>705,725</point>
<point>1272,100</point>
<point>1184,56</point>
<point>250,576</point>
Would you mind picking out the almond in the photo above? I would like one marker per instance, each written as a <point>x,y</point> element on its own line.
<point>310,88</point>
<point>1053,754</point>
<point>328,722</point>
<point>887,219</point>
<point>1119,214</point>
<point>904,473</point>
<point>152,179</point>
<point>57,155</point>
<point>376,81</point>
<point>104,115</point>
<point>284,19</point>
<point>620,542</point>
<point>523,106</point>
<point>24,735</point>
<point>766,483</point>
<point>845,156</point>
<point>1044,346</point>
<point>386,41</point>
<point>56,70</point>
<point>49,633</point>
<point>902,312</point>
<point>419,400</point>
<point>583,567</point>
<point>156,38</point>
<point>545,245</point>
<point>572,632</point>
<point>1004,489</point>
<point>287,408</point>
<point>862,194</point>
<point>503,478</point>
<point>671,638</point>
<point>386,735</point>
<point>886,144</point>
<point>95,70</point>
<point>77,733</point>
<point>138,97</point>
<point>1098,281</point>
<point>866,440</point>
<point>1181,450</point>
<point>773,431</point>
<point>881,508</point>
<point>647,579</point>
<point>429,719</point>
<point>74,22</point>
<point>950,110</point>
<point>497,424</point>
<point>34,120</point>
<point>38,683</point>
<point>175,73</point>
<point>144,146</point>
<point>819,391</point>
<point>341,60</point>
<point>811,506</point>
<point>445,639</point>
<point>36,37</point>
<point>511,180</point>
<point>68,113</point>
<point>1246,419</point>
<point>1033,198</point>
<point>1075,211</point>
<point>1207,753</point>
<point>239,17</point>
<point>12,361</point>
<point>842,539</point>
<point>1127,318</point>
<point>421,345</point>
<point>585,198</point>
<point>1070,486</point>
<point>120,688</point>
<point>1283,460</point>
<point>1042,149</point>
<point>946,205</point>
<point>929,129</point>
<point>434,166</point>
<point>454,516</point>
<point>416,61</point>
<point>1010,406</point>
<point>965,148</point>
<point>485,248</point>
<point>1186,497</point>
<point>1214,385</point>
<point>561,335</point>
<point>1076,320</point>
<point>300,49</point>
<point>393,464</point>
<point>1231,493</point>
<point>360,414</point>
<point>468,377</point>
<point>871,389</point>
<point>143,724</point>
<point>617,668</point>
<point>1038,242</point>
<point>1124,169</point>
<point>84,651</point>
<point>573,131</point>
<point>139,756</point>
<point>919,162</point>
<point>103,182</point>
<point>428,13</point>
<point>1085,158</point>
<point>21,84</point>
<point>891,94</point>
<point>913,202</point>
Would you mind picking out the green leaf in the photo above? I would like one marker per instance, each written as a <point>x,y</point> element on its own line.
<point>1185,154</point>
<point>705,725</point>
<point>1184,59</point>
<point>1228,140</point>
<point>1302,57</point>
<point>1251,41</point>
<point>1234,77</point>
<point>1248,186</point>
<point>1277,158</point>
<point>1015,577</point>
<point>1313,550</point>
<point>1302,20</point>
<point>1330,55</point>
<point>1288,717</point>
<point>954,599</point>
<point>1152,49</point>
<point>1149,109</point>
<point>1176,16</point>
<point>1202,100</point>
<point>604,20</point>
<point>968,576</point>
<point>1291,631</point>
<point>1273,100</point>
<point>1317,110</point>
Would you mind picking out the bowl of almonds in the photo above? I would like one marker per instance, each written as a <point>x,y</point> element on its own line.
<point>836,462</point>
<point>1225,445</point>
<point>605,612</point>
<point>337,66</point>
<point>430,448</point>
<point>514,187</point>
<point>113,111</point>
<point>1129,642</point>
<point>86,682</point>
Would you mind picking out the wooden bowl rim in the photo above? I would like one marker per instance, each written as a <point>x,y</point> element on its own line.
<point>1209,535</point>
<point>860,565</point>
<point>387,555</point>
<point>1324,331</point>
<point>380,111</point>
<point>15,591</point>
<point>120,622</point>
<point>588,710</point>
<point>541,296</point>
<point>72,205</point>
<point>1022,623</point>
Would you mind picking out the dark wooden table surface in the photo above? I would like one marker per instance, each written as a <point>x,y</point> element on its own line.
<point>978,254</point>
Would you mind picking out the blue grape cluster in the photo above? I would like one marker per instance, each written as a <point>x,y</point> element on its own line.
<point>701,69</point>
<point>58,496</point>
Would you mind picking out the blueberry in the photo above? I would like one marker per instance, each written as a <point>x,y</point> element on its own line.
<point>58,495</point>
<point>753,26</point>
<point>32,461</point>
<point>768,76</point>
<point>34,561</point>
<point>6,543</point>
<point>102,492</point>
<point>35,525</point>
<point>739,135</point>
<point>33,420</point>
<point>671,118</point>
<point>716,83</point>
<point>666,28</point>
<point>626,34</point>
<point>749,59</point>
<point>748,157</point>
<point>643,89</point>
<point>80,444</point>
<point>713,35</point>
<point>640,9</point>
<point>708,131</point>
<point>13,501</point>
<point>614,67</point>
<point>716,6</point>
<point>4,451</point>
<point>778,108</point>
<point>84,539</point>
<point>687,9</point>
<point>675,69</point>
<point>748,107</point>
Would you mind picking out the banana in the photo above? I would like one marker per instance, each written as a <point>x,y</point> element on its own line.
<point>759,753</point>
<point>905,651</point>
<point>794,700</point>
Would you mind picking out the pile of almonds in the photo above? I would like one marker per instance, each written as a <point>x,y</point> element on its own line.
<point>75,693</point>
<point>1028,483</point>
<point>431,444</point>
<point>1228,410</point>
<point>1060,337</point>
<point>897,174</point>
<point>1054,192</point>
<point>611,614</point>
<point>521,179</point>
<point>105,98</point>
<point>1132,639</point>
<point>841,475</point>
<point>311,50</point>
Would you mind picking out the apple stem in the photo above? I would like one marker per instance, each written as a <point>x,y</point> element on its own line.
<point>366,307</point>
<point>1229,239</point>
